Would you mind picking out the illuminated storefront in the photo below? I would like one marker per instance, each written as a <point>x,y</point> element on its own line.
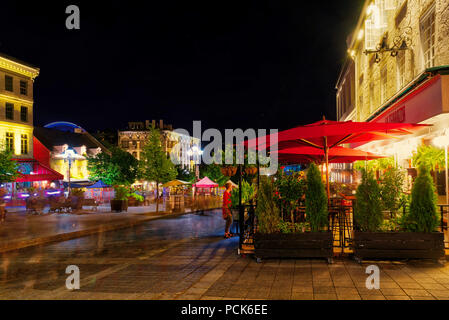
<point>52,142</point>
<point>397,70</point>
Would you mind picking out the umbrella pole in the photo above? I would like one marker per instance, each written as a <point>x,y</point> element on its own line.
<point>327,175</point>
<point>326,155</point>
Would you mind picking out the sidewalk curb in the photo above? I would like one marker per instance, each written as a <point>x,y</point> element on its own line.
<point>11,246</point>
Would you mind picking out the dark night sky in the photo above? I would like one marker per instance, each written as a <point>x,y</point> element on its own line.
<point>247,64</point>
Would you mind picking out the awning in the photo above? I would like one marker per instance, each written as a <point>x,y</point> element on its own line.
<point>175,183</point>
<point>32,170</point>
<point>99,185</point>
<point>205,183</point>
<point>77,184</point>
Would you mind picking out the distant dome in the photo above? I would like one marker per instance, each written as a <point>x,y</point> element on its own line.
<point>65,126</point>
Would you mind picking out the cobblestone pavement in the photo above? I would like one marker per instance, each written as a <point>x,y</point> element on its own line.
<point>187,258</point>
<point>21,229</point>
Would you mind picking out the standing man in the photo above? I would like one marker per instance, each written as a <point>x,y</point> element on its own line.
<point>227,214</point>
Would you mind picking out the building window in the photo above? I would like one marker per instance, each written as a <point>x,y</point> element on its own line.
<point>125,144</point>
<point>383,84</point>
<point>8,83</point>
<point>427,28</point>
<point>23,87</point>
<point>24,114</point>
<point>401,69</point>
<point>376,22</point>
<point>9,111</point>
<point>9,141</point>
<point>135,155</point>
<point>24,144</point>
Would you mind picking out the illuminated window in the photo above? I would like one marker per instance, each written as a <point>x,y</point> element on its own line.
<point>9,141</point>
<point>377,21</point>
<point>23,87</point>
<point>24,144</point>
<point>8,83</point>
<point>24,114</point>
<point>383,84</point>
<point>401,69</point>
<point>9,111</point>
<point>125,144</point>
<point>427,28</point>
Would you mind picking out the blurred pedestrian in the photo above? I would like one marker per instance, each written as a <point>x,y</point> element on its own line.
<point>2,205</point>
<point>227,214</point>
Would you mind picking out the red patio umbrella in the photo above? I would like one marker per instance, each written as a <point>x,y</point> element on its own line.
<point>336,155</point>
<point>326,134</point>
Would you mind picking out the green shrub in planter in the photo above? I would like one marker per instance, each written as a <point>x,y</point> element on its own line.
<point>368,208</point>
<point>267,211</point>
<point>291,188</point>
<point>138,197</point>
<point>391,190</point>
<point>316,200</point>
<point>248,193</point>
<point>121,193</point>
<point>423,215</point>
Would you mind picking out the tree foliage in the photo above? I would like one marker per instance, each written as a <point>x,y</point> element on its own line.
<point>375,165</point>
<point>184,174</point>
<point>117,168</point>
<point>155,165</point>
<point>248,194</point>
<point>368,208</point>
<point>8,168</point>
<point>212,171</point>
<point>290,189</point>
<point>423,215</point>
<point>391,189</point>
<point>267,211</point>
<point>429,156</point>
<point>316,200</point>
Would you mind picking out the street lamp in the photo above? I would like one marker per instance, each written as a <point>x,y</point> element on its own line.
<point>196,152</point>
<point>69,155</point>
<point>443,142</point>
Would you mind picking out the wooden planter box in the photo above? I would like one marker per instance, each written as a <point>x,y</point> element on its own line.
<point>398,245</point>
<point>119,205</point>
<point>294,245</point>
<point>132,202</point>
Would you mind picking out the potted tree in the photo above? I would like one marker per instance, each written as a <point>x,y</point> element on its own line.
<point>120,201</point>
<point>135,199</point>
<point>410,236</point>
<point>277,238</point>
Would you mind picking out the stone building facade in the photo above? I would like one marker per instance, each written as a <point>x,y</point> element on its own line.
<point>395,42</point>
<point>16,106</point>
<point>397,70</point>
<point>133,140</point>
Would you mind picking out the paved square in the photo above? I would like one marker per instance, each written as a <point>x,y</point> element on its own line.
<point>187,258</point>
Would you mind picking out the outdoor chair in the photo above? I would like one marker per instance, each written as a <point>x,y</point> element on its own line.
<point>35,206</point>
<point>90,203</point>
<point>65,206</point>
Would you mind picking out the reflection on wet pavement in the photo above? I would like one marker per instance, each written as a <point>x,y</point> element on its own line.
<point>167,255</point>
